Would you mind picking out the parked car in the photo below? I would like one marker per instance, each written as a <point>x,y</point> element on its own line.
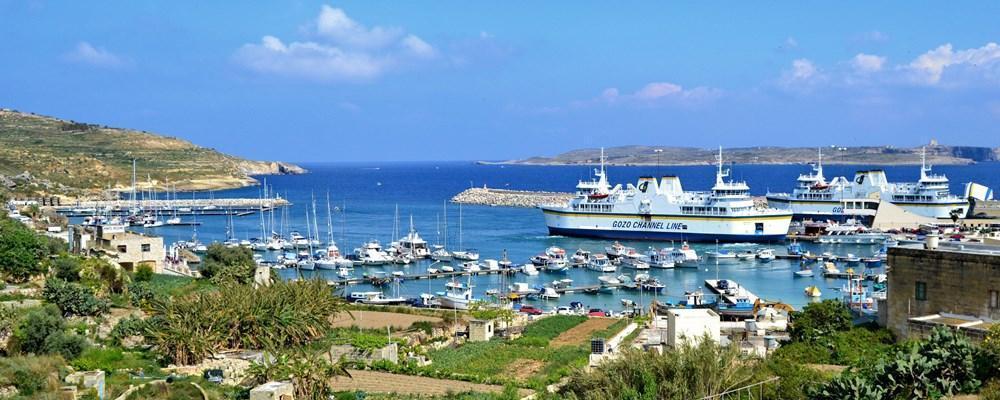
<point>531,310</point>
<point>595,312</point>
<point>564,310</point>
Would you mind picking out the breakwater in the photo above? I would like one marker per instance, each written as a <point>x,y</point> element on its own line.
<point>510,198</point>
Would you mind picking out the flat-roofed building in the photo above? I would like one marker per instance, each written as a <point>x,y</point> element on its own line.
<point>951,284</point>
<point>128,249</point>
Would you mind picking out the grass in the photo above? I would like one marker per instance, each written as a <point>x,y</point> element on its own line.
<point>492,361</point>
<point>613,329</point>
<point>113,359</point>
<point>173,286</point>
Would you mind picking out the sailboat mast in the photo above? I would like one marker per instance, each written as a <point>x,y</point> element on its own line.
<point>329,218</point>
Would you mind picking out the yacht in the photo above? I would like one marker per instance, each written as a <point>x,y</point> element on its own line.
<point>371,254</point>
<point>663,210</point>
<point>440,254</point>
<point>332,259</point>
<point>465,255</point>
<point>815,197</point>
<point>850,232</point>
<point>634,261</point>
<point>377,298</point>
<point>685,257</point>
<point>765,255</point>
<point>413,244</point>
<point>721,256</point>
<point>601,263</point>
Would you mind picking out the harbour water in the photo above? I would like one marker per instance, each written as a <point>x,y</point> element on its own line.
<point>364,197</point>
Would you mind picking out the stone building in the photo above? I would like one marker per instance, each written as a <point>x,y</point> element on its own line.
<point>128,249</point>
<point>948,284</point>
<point>481,330</point>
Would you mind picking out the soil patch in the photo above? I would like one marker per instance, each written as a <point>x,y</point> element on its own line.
<point>582,333</point>
<point>379,319</point>
<point>523,368</point>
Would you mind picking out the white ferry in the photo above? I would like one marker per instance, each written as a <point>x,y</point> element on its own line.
<point>814,197</point>
<point>662,210</point>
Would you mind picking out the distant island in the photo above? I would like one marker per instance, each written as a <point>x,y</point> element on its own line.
<point>937,154</point>
<point>41,155</point>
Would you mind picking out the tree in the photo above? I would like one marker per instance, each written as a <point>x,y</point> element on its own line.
<point>21,251</point>
<point>309,372</point>
<point>232,264</point>
<point>819,320</point>
<point>68,345</point>
<point>73,298</point>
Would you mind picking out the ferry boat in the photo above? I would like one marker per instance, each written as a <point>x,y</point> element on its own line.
<point>662,210</point>
<point>814,197</point>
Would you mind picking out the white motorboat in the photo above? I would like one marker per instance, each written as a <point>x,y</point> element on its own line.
<point>440,254</point>
<point>522,289</point>
<point>721,256</point>
<point>634,261</point>
<point>601,263</point>
<point>470,266</point>
<point>529,270</point>
<point>616,250</point>
<point>746,255</point>
<point>550,293</point>
<point>447,268</point>
<point>413,244</point>
<point>465,255</point>
<point>377,298</point>
<point>765,255</point>
<point>333,259</point>
<point>490,265</point>
<point>581,257</point>
<point>344,272</point>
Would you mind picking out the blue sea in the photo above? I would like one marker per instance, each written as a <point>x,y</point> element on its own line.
<point>365,196</point>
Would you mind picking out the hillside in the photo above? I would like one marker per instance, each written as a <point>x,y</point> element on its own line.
<point>887,155</point>
<point>46,155</point>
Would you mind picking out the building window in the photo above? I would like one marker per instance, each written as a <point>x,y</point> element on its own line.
<point>145,247</point>
<point>921,291</point>
<point>122,248</point>
<point>994,299</point>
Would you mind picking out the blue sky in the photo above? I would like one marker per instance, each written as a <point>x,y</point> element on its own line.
<point>459,80</point>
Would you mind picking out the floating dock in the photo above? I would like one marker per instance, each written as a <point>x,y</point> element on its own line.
<point>225,206</point>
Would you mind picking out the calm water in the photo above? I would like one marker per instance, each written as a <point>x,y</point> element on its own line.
<point>371,191</point>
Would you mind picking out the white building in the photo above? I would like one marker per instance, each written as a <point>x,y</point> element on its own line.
<point>691,324</point>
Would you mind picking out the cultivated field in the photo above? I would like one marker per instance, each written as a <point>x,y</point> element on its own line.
<point>582,333</point>
<point>380,320</point>
<point>383,382</point>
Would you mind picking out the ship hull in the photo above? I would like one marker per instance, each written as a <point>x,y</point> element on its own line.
<point>764,228</point>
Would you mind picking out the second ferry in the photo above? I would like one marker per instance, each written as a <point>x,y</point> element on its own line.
<point>815,197</point>
<point>662,210</point>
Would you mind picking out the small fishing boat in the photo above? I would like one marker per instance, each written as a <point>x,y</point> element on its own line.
<point>447,268</point>
<point>813,291</point>
<point>465,255</point>
<point>616,250</point>
<point>794,248</point>
<point>721,256</point>
<point>746,255</point>
<point>457,296</point>
<point>852,260</point>
<point>660,258</point>
<point>608,280</point>
<point>440,254</point>
<point>581,257</point>
<point>872,262</point>
<point>470,266</point>
<point>652,285</point>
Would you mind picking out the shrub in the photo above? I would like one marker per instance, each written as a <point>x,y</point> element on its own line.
<point>423,326</point>
<point>101,274</point>
<point>32,376</point>
<point>73,298</point>
<point>131,326</point>
<point>144,273</point>
<point>68,345</point>
<point>818,320</point>
<point>36,326</point>
<point>141,294</point>
<point>21,251</point>
<point>66,267</point>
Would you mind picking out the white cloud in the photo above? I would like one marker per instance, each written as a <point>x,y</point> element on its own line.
<point>866,63</point>
<point>654,93</point>
<point>803,75</point>
<point>341,50</point>
<point>929,68</point>
<point>86,53</point>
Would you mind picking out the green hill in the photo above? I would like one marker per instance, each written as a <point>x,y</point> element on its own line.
<point>46,155</point>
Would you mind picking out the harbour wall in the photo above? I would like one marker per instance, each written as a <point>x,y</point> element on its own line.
<point>510,198</point>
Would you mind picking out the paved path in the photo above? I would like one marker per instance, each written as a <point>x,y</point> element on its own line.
<point>384,382</point>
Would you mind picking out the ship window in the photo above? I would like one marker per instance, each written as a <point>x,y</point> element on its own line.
<point>921,291</point>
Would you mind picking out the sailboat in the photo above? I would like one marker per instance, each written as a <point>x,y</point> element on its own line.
<point>440,252</point>
<point>467,254</point>
<point>332,259</point>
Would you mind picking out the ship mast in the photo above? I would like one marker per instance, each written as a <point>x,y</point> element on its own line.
<point>923,163</point>
<point>720,174</point>
<point>819,167</point>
